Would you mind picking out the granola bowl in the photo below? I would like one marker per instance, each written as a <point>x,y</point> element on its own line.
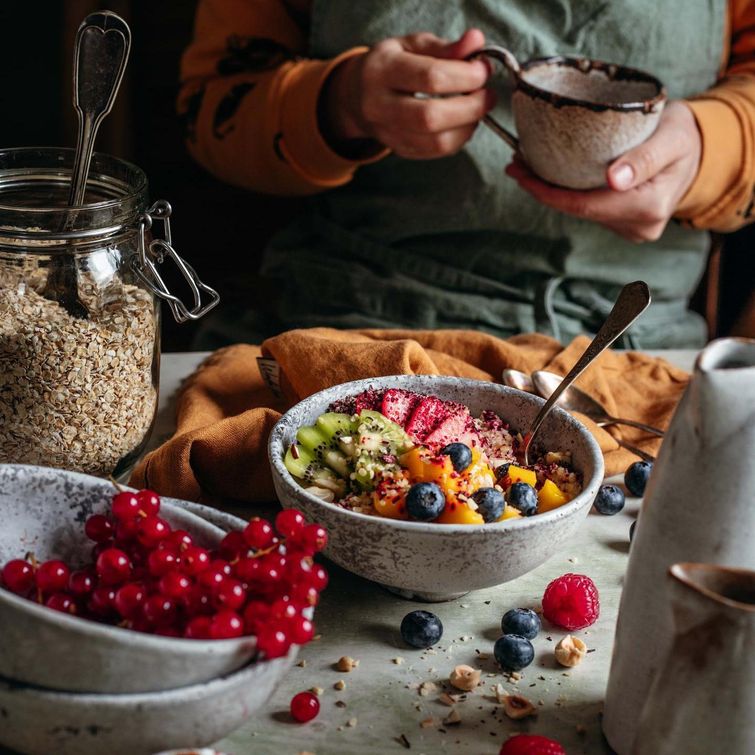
<point>43,511</point>
<point>428,560</point>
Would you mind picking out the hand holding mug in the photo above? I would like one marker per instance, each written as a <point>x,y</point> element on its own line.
<point>372,96</point>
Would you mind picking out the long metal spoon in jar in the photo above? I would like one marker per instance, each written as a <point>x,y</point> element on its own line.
<point>632,301</point>
<point>100,55</point>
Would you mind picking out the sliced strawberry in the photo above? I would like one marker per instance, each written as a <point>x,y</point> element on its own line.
<point>427,415</point>
<point>369,399</point>
<point>398,405</point>
<point>457,428</point>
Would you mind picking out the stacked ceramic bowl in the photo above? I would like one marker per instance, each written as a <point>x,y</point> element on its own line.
<point>69,685</point>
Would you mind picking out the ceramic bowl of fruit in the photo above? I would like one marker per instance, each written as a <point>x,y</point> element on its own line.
<point>421,484</point>
<point>122,592</point>
<point>40,722</point>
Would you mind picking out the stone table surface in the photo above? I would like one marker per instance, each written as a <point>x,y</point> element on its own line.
<point>380,710</point>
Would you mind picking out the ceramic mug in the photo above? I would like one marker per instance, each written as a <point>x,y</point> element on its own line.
<point>575,116</point>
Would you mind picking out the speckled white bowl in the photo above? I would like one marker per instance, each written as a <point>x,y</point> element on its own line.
<point>43,510</point>
<point>42,722</point>
<point>436,562</point>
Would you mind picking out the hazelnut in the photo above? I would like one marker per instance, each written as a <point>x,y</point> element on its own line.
<point>346,663</point>
<point>465,677</point>
<point>452,718</point>
<point>516,706</point>
<point>570,651</point>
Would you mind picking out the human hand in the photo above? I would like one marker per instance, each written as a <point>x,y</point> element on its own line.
<point>644,185</point>
<point>371,96</point>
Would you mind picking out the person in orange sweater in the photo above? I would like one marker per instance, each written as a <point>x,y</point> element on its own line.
<point>412,220</point>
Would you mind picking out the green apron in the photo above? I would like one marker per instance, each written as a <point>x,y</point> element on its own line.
<point>454,243</point>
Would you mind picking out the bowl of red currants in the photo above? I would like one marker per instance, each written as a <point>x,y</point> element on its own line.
<point>106,590</point>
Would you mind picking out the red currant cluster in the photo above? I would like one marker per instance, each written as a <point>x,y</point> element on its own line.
<point>148,577</point>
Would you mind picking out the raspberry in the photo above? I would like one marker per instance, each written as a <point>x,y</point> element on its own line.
<point>531,744</point>
<point>571,601</point>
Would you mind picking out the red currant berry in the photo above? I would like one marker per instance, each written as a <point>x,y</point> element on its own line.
<point>297,566</point>
<point>198,628</point>
<point>151,530</point>
<point>126,530</point>
<point>304,707</point>
<point>247,569</point>
<point>129,600</point>
<point>149,502</point>
<point>113,567</point>
<point>288,522</point>
<point>102,602</point>
<point>125,506</point>
<point>194,560</point>
<point>99,528</point>
<point>312,539</point>
<point>226,624</point>
<point>161,561</point>
<point>52,576</point>
<point>317,578</point>
<point>175,585</point>
<point>82,582</point>
<point>283,609</point>
<point>198,601</point>
<point>304,595</point>
<point>531,744</point>
<point>229,594</point>
<point>571,601</point>
<point>159,610</point>
<point>258,533</point>
<point>63,602</point>
<point>256,614</point>
<point>168,631</point>
<point>18,576</point>
<point>213,576</point>
<point>179,541</point>
<point>232,546</point>
<point>301,630</point>
<point>272,641</point>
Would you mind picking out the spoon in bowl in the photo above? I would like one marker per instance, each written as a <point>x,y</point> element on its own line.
<point>632,301</point>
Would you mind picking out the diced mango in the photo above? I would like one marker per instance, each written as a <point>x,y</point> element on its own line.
<point>519,474</point>
<point>390,507</point>
<point>459,513</point>
<point>550,497</point>
<point>509,512</point>
<point>424,467</point>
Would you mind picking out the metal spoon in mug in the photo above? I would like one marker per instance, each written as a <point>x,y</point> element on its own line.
<point>100,55</point>
<point>576,400</point>
<point>523,382</point>
<point>632,301</point>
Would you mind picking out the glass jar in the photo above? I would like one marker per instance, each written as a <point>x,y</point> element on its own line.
<point>79,312</point>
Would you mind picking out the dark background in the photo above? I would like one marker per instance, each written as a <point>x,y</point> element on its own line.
<point>219,229</point>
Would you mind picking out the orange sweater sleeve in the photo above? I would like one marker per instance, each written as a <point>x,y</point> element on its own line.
<point>248,100</point>
<point>722,197</point>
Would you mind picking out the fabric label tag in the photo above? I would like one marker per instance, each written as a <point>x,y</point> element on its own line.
<point>271,372</point>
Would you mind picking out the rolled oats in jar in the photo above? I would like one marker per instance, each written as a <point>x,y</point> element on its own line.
<point>79,382</point>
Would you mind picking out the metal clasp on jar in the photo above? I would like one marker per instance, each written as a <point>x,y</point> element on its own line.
<point>154,253</point>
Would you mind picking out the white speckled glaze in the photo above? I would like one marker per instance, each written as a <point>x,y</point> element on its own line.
<point>438,562</point>
<point>43,511</point>
<point>43,722</point>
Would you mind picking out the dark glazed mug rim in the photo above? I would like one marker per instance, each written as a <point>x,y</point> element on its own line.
<point>613,71</point>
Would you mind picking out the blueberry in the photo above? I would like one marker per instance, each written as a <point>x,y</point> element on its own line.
<point>523,497</point>
<point>420,629</point>
<point>610,500</point>
<point>425,501</point>
<point>513,652</point>
<point>489,502</point>
<point>460,453</point>
<point>521,621</point>
<point>631,530</point>
<point>636,477</point>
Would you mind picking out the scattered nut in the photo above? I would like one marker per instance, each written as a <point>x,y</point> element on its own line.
<point>352,722</point>
<point>500,693</point>
<point>570,651</point>
<point>427,723</point>
<point>446,699</point>
<point>465,677</point>
<point>340,685</point>
<point>427,688</point>
<point>398,661</point>
<point>316,691</point>
<point>346,663</point>
<point>516,706</point>
<point>452,718</point>
<point>302,664</point>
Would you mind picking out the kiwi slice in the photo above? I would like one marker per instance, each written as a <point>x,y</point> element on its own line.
<point>323,449</point>
<point>301,463</point>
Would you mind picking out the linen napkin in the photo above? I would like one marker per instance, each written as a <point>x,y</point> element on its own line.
<point>226,409</point>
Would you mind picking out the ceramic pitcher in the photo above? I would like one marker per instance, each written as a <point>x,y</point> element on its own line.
<point>703,696</point>
<point>698,506</point>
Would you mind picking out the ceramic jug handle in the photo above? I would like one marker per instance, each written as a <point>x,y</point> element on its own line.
<point>504,56</point>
